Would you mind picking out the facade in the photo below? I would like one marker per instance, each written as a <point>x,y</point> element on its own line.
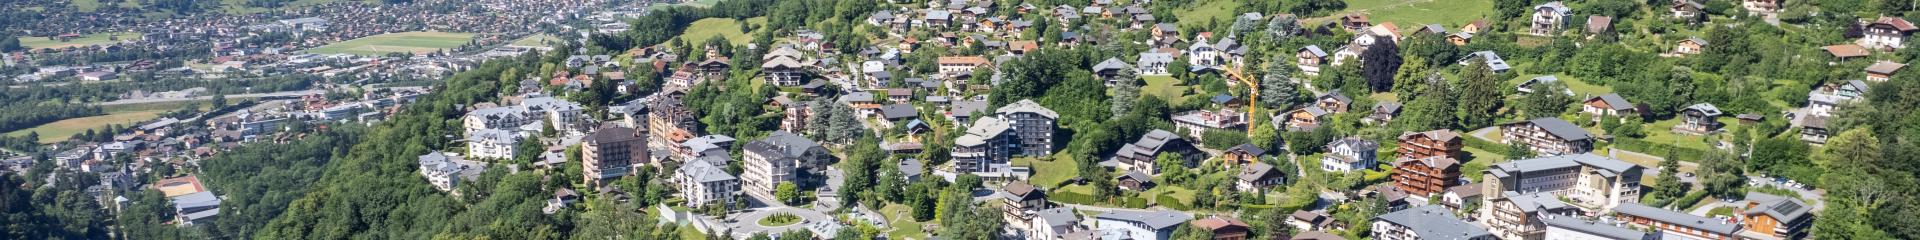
<point>443,171</point>
<point>1139,155</point>
<point>1883,70</point>
<point>611,153</point>
<point>1022,203</point>
<point>1242,154</point>
<point>1126,224</point>
<point>1518,216</point>
<point>1426,176</point>
<point>1610,105</point>
<point>783,67</point>
<point>1032,126</point>
<point>953,66</point>
<point>492,144</point>
<point>669,123</point>
<point>703,183</point>
<point>1547,136</point>
<point>1549,18</point>
<point>1443,142</point>
<point>1776,216</point>
<point>1427,222</point>
<point>1887,33</point>
<point>766,167</point>
<point>1701,118</point>
<point>1676,223</point>
<point>1258,176</point>
<point>1196,123</point>
<point>1350,154</point>
<point>1586,179</point>
<point>1569,228</point>
<point>1309,59</point>
<point>1690,46</point>
<point>1054,224</point>
<point>986,143</point>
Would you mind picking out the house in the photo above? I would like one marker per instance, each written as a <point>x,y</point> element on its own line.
<point>1887,33</point>
<point>1309,59</point>
<point>1881,71</point>
<point>1382,113</point>
<point>1134,181</point>
<point>1681,225</point>
<point>96,76</point>
<point>1586,180</point>
<point>492,144</point>
<point>1561,227</point>
<point>1427,222</point>
<point>1223,227</point>
<point>779,158</point>
<point>1517,216</point>
<point>1128,224</point>
<point>703,182</point>
<point>783,67</point>
<point>1460,38</point>
<point>1700,118</point>
<point>611,152</point>
<point>1311,221</point>
<point>669,123</point>
<point>880,18</point>
<point>1547,136</point>
<point>1442,142</point>
<point>1054,224</point>
<point>938,18</point>
<point>1243,154</point>
<point>1492,60</point>
<point>195,208</point>
<point>1687,10</point>
<point>1535,83</point>
<point>1426,176</point>
<point>1258,177</point>
<point>1109,71</point>
<point>1196,123</point>
<point>1813,128</point>
<point>1610,105</point>
<point>1165,33</point>
<point>1458,196</point>
<point>1761,6</point>
<point>1690,46</point>
<point>1304,119</point>
<point>1597,24</point>
<point>898,112</point>
<point>1032,126</point>
<point>1776,216</point>
<point>1333,102</point>
<point>961,65</point>
<point>443,171</point>
<point>1355,22</point>
<point>1350,154</point>
<point>1475,27</point>
<point>1842,52</point>
<point>1140,155</point>
<point>1549,18</point>
<point>1022,202</point>
<point>1153,63</point>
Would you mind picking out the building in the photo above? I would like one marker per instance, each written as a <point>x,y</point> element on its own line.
<point>703,183</point>
<point>1309,59</point>
<point>1569,228</point>
<point>446,172</point>
<point>1676,223</point>
<point>1585,179</point>
<point>1140,155</point>
<point>1109,71</point>
<point>611,152</point>
<point>778,158</point>
<point>1443,142</point>
<point>1032,126</point>
<point>1022,203</point>
<point>962,65</point>
<point>1883,70</point>
<point>986,143</point>
<point>1887,33</point>
<point>1196,123</point>
<point>1054,224</point>
<point>1457,197</point>
<point>1700,118</point>
<point>1690,46</point>
<point>1350,154</point>
<point>1257,177</point>
<point>669,122</point>
<point>1311,221</point>
<point>1517,216</point>
<point>1761,6</point>
<point>1610,105</point>
<point>533,110</point>
<point>1776,216</point>
<point>783,67</point>
<point>1492,60</point>
<point>195,208</point>
<point>1427,222</point>
<point>1153,63</point>
<point>1243,154</point>
<point>1547,136</point>
<point>1127,224</point>
<point>1223,227</point>
<point>1426,176</point>
<point>1549,18</point>
<point>492,144</point>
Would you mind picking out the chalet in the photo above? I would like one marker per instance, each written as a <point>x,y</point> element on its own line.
<point>1109,71</point>
<point>1518,216</point>
<point>1883,70</point>
<point>1350,154</point>
<point>783,67</point>
<point>1134,181</point>
<point>1140,155</point>
<point>1022,202</point>
<point>1702,118</point>
<point>1776,216</point>
<point>1428,222</point>
<point>898,112</point>
<point>880,18</point>
<point>1610,105</point>
<point>1688,10</point>
<point>1441,142</point>
<point>1426,176</point>
<point>1382,113</point>
<point>1309,59</point>
<point>1680,224</point>
<point>1242,154</point>
<point>1690,46</point>
<point>899,95</point>
<point>1333,101</point>
<point>1813,128</point>
<point>1197,122</point>
<point>1140,21</point>
<point>1492,60</point>
<point>1475,27</point>
<point>715,67</point>
<point>1306,118</point>
<point>1458,196</point>
<point>1597,24</point>
<point>1842,52</point>
<point>1547,136</point>
<point>1761,6</point>
<point>1887,33</point>
<point>1549,18</point>
<point>1537,83</point>
<point>953,66</point>
<point>1312,221</point>
<point>938,18</point>
<point>1355,22</point>
<point>1153,63</point>
<point>1223,227</point>
<point>1460,38</point>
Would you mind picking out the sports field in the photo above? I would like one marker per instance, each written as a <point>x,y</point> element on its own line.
<point>380,45</point>
<point>84,40</point>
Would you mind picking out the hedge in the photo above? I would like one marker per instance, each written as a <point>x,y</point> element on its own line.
<point>1167,200</point>
<point>1077,198</point>
<point>1657,149</point>
<point>1483,144</point>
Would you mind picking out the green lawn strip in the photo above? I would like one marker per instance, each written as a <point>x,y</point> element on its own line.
<point>1219,10</point>
<point>1051,170</point>
<point>415,42</point>
<point>1166,87</point>
<point>82,41</point>
<point>700,31</point>
<point>536,41</point>
<point>61,130</point>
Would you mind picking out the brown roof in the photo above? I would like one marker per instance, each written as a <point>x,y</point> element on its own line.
<point>1317,235</point>
<point>1440,135</point>
<point>1433,162</point>
<point>1597,23</point>
<point>1898,23</point>
<point>975,60</point>
<point>1846,50</point>
<point>1885,67</point>
<point>612,134</point>
<point>1217,222</point>
<point>1021,190</point>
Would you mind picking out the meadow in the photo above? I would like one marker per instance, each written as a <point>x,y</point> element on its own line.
<point>379,45</point>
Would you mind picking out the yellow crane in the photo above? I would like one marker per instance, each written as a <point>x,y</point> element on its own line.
<point>1253,93</point>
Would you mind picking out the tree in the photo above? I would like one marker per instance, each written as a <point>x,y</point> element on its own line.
<point>1721,173</point>
<point>1281,28</point>
<point>1668,184</point>
<point>1432,110</point>
<point>1411,81</point>
<point>219,101</point>
<point>1125,92</point>
<point>1479,96</point>
<point>1547,100</point>
<point>1379,63</point>
<point>1277,89</point>
<point>547,129</point>
<point>787,192</point>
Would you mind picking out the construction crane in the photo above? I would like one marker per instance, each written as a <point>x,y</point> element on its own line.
<point>1253,92</point>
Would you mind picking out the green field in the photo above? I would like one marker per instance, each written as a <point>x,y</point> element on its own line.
<point>537,40</point>
<point>694,3</point>
<point>1407,14</point>
<point>1222,10</point>
<point>84,40</point>
<point>1578,86</point>
<point>240,6</point>
<point>1166,87</point>
<point>91,5</point>
<point>900,218</point>
<point>380,45</point>
<point>699,31</point>
<point>118,114</point>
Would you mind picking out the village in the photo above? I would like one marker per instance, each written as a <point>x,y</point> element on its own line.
<point>976,119</point>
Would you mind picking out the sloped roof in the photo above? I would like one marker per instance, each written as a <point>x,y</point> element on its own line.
<point>1705,108</point>
<point>1434,222</point>
<point>1780,208</point>
<point>1027,106</point>
<point>1559,128</point>
<point>1677,218</point>
<point>1152,219</point>
<point>1587,227</point>
<point>1112,63</point>
<point>703,171</point>
<point>1256,172</point>
<point>1885,67</point>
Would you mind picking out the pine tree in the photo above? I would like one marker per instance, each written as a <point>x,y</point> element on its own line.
<point>1669,183</point>
<point>1125,92</point>
<point>1433,109</point>
<point>1409,81</point>
<point>1281,28</point>
<point>1479,96</point>
<point>1277,89</point>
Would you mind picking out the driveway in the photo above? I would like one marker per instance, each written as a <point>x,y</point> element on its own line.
<point>748,223</point>
<point>1814,197</point>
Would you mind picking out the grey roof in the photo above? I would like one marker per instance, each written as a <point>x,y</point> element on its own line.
<point>1783,209</point>
<point>1336,96</point>
<point>981,130</point>
<point>196,200</point>
<point>1153,140</point>
<point>1315,49</point>
<point>1434,222</point>
<point>938,15</point>
<point>898,111</point>
<point>1556,6</point>
<point>794,145</point>
<point>1615,101</point>
<point>857,97</point>
<point>1153,219</point>
<point>966,108</point>
<point>1492,59</point>
<point>1597,229</point>
<point>1027,106</point>
<point>1154,57</point>
<point>1677,218</point>
<point>1536,202</point>
<point>1249,148</point>
<point>1167,27</point>
<point>1706,108</point>
<point>1358,144</point>
<point>493,135</point>
<point>882,16</point>
<point>1612,166</point>
<point>1058,216</point>
<point>1256,172</point>
<point>911,167</point>
<point>1137,176</point>
<point>703,171</point>
<point>1561,128</point>
<point>1112,63</point>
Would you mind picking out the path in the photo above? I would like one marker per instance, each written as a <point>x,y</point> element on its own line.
<point>199,98</point>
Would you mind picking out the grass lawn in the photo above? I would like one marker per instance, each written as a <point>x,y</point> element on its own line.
<point>537,40</point>
<point>1166,87</point>
<point>1661,132</point>
<point>1179,193</point>
<point>1480,159</point>
<point>779,219</point>
<point>1407,14</point>
<point>240,6</point>
<point>700,30</point>
<point>1580,87</point>
<point>1211,9</point>
<point>1052,170</point>
<point>688,233</point>
<point>692,3</point>
<point>379,45</point>
<point>900,217</point>
<point>60,130</point>
<point>83,41</point>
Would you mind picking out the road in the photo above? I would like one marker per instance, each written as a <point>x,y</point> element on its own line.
<point>201,98</point>
<point>747,223</point>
